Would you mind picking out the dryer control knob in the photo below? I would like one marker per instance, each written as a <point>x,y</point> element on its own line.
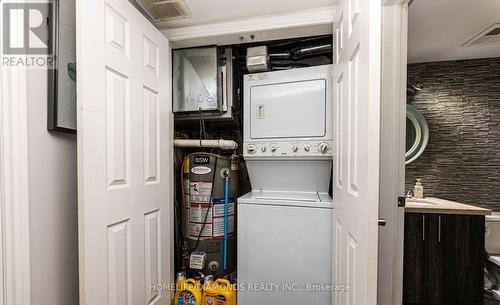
<point>307,148</point>
<point>295,148</point>
<point>323,147</point>
<point>263,149</point>
<point>251,148</point>
<point>274,148</point>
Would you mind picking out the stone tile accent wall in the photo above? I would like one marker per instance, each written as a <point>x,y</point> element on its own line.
<point>461,103</point>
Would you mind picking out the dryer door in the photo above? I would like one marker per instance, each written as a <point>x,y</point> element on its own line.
<point>288,110</point>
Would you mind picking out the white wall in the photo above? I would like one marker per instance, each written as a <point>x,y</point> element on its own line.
<point>53,203</point>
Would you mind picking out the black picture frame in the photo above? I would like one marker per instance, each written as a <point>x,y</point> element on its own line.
<point>55,117</point>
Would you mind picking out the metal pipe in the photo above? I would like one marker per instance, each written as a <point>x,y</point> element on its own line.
<point>280,55</point>
<point>222,144</point>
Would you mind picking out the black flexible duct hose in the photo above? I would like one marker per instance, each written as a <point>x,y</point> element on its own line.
<point>302,52</point>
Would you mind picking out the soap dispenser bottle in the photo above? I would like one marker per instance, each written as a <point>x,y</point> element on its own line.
<point>418,190</point>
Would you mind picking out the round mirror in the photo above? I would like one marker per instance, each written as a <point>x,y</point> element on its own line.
<point>417,134</point>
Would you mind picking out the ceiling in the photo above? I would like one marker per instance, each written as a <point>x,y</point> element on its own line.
<point>213,11</point>
<point>439,28</point>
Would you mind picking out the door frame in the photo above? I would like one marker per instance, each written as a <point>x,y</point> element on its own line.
<point>392,182</point>
<point>14,189</point>
<point>15,281</point>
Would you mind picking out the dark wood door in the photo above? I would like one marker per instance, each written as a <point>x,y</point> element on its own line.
<point>461,259</point>
<point>444,259</point>
<point>417,280</point>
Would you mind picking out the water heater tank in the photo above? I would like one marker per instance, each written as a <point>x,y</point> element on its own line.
<point>203,209</point>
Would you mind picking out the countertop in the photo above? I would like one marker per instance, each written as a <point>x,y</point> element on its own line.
<point>432,205</point>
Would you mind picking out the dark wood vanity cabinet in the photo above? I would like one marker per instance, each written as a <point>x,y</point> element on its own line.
<point>443,259</point>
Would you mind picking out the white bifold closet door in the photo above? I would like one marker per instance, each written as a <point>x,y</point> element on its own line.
<point>124,156</point>
<point>357,144</point>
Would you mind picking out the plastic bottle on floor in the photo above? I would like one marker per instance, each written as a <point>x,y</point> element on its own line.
<point>188,291</point>
<point>219,292</point>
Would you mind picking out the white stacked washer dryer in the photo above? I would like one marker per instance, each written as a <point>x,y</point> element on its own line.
<point>285,223</point>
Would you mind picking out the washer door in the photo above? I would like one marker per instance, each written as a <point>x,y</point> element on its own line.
<point>287,252</point>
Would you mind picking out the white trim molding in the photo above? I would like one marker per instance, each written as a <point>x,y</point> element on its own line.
<point>303,23</point>
<point>14,186</point>
<point>2,273</point>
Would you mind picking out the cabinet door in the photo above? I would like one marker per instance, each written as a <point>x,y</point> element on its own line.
<point>436,256</point>
<point>416,285</point>
<point>444,259</point>
<point>461,259</point>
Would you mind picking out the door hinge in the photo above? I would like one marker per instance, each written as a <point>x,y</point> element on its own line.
<point>401,201</point>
